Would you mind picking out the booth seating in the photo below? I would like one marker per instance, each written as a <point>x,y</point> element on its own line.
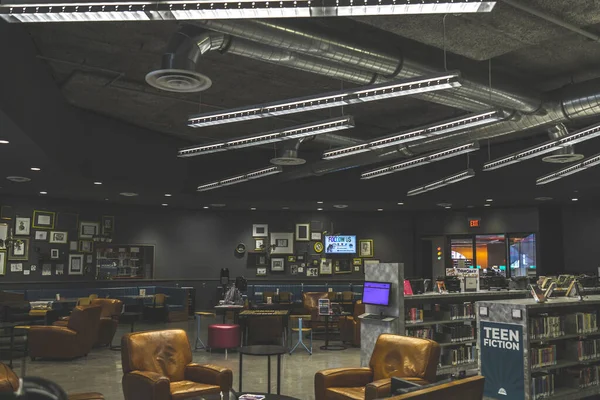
<point>224,336</point>
<point>9,383</point>
<point>60,342</point>
<point>409,358</point>
<point>350,325</point>
<point>462,389</point>
<point>111,309</point>
<point>158,365</point>
<point>350,292</point>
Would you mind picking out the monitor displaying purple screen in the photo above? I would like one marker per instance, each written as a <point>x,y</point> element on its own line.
<point>377,293</point>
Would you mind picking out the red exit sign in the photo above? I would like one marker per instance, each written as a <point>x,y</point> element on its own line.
<point>474,222</point>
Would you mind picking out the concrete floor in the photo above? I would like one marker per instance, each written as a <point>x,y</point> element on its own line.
<point>101,370</point>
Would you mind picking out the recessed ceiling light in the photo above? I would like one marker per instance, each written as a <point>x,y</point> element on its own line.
<point>470,206</point>
<point>380,209</point>
<point>217,205</point>
<point>489,200</point>
<point>18,179</point>
<point>253,208</point>
<point>400,204</point>
<point>319,202</point>
<point>574,199</point>
<point>106,199</point>
<point>168,195</point>
<point>164,204</point>
<point>128,194</point>
<point>487,205</point>
<point>97,183</point>
<point>319,209</point>
<point>43,192</point>
<point>205,207</point>
<point>285,208</point>
<point>340,206</point>
<point>4,141</point>
<point>543,198</point>
<point>35,169</point>
<point>447,207</point>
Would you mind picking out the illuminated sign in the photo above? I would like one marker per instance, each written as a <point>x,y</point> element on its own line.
<point>474,222</point>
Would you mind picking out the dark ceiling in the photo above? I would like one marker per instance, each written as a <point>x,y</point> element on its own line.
<point>75,103</point>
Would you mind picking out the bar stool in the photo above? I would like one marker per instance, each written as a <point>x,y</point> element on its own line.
<point>300,329</point>
<point>199,315</point>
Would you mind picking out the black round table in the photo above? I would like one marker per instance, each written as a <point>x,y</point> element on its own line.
<point>328,346</point>
<point>226,396</point>
<point>132,316</point>
<point>265,351</point>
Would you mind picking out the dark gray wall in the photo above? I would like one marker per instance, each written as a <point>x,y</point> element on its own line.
<point>581,238</point>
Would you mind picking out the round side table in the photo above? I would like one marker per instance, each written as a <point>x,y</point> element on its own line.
<point>264,351</point>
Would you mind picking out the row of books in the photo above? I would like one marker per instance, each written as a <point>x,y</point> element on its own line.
<point>543,356</point>
<point>423,333</point>
<point>583,322</point>
<point>458,356</point>
<point>456,333</point>
<point>586,350</point>
<point>542,386</point>
<point>414,315</point>
<point>462,311</point>
<point>546,326</point>
<point>582,378</point>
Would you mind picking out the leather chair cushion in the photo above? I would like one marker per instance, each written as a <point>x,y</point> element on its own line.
<point>346,393</point>
<point>188,389</point>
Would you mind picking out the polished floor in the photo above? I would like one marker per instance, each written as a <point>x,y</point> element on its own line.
<point>101,370</point>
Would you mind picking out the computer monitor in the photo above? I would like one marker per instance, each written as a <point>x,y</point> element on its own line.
<point>377,293</point>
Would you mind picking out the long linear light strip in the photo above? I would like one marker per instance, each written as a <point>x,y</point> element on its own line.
<point>223,9</point>
<point>417,162</point>
<point>544,148</point>
<point>469,121</point>
<point>260,173</point>
<point>461,176</point>
<point>296,132</point>
<point>404,87</point>
<point>570,170</point>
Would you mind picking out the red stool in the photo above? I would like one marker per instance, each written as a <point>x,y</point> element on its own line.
<point>223,336</point>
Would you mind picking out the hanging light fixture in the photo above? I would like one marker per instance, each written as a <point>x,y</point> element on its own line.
<point>461,176</point>
<point>226,9</point>
<point>570,170</point>
<point>261,173</point>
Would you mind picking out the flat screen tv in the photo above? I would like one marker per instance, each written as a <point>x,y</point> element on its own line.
<point>340,244</point>
<point>377,293</point>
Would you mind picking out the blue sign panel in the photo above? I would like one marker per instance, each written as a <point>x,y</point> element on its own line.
<point>501,347</point>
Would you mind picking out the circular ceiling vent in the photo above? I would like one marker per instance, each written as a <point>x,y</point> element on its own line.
<point>562,158</point>
<point>178,80</point>
<point>128,194</point>
<point>18,179</point>
<point>287,161</point>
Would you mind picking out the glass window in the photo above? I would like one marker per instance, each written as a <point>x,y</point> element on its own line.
<point>522,255</point>
<point>490,254</point>
<point>461,252</point>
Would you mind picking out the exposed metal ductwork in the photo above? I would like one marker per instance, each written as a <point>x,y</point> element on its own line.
<point>289,154</point>
<point>564,154</point>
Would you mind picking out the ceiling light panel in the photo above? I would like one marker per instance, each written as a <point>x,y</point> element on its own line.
<point>419,161</point>
<point>570,170</point>
<point>261,173</point>
<point>465,122</point>
<point>223,9</point>
<point>404,87</point>
<point>461,176</point>
<point>297,132</point>
<point>544,148</point>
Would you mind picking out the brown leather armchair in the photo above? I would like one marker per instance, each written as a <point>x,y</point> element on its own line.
<point>310,301</point>
<point>74,340</point>
<point>350,325</point>
<point>463,389</point>
<point>409,358</point>
<point>157,365</point>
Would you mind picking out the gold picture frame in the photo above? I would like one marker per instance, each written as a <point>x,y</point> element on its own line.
<point>22,253</point>
<point>366,248</point>
<point>86,246</point>
<point>43,219</point>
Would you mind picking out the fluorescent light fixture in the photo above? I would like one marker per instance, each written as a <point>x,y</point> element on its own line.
<point>574,199</point>
<point>168,194</point>
<point>35,169</point>
<point>97,183</point>
<point>319,209</point>
<point>164,204</point>
<point>544,148</point>
<point>461,176</point>
<point>419,161</point>
<point>570,170</point>
<point>43,192</point>
<point>261,173</point>
<point>296,132</point>
<point>224,9</point>
<point>4,141</point>
<point>404,87</point>
<point>452,125</point>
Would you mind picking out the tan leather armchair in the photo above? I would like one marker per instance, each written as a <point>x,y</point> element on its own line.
<point>409,358</point>
<point>463,389</point>
<point>350,325</point>
<point>310,301</point>
<point>66,342</point>
<point>157,365</point>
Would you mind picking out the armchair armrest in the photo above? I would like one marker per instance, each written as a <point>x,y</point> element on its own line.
<point>210,374</point>
<point>146,385</point>
<point>340,377</point>
<point>378,389</point>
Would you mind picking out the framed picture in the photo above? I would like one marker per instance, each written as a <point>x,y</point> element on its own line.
<point>300,257</point>
<point>365,248</point>
<point>108,224</point>
<point>87,229</point>
<point>342,266</point>
<point>259,244</point>
<point>316,236</point>
<point>357,262</point>
<point>54,254</point>
<point>291,258</point>
<point>2,262</point>
<point>60,268</point>
<point>58,237</point>
<point>89,259</point>
<point>260,230</point>
<point>261,271</point>
<point>312,272</point>
<point>303,232</point>
<point>294,269</point>
<point>283,243</point>
<point>6,213</point>
<point>46,269</point>
<point>325,267</point>
<point>300,270</point>
<point>43,219</point>
<point>16,267</point>
<point>19,250</point>
<point>22,226</point>
<point>75,264</point>
<point>318,247</point>
<point>3,234</point>
<point>73,245</point>
<point>277,264</point>
<point>261,259</point>
<point>41,235</point>
<point>86,246</point>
